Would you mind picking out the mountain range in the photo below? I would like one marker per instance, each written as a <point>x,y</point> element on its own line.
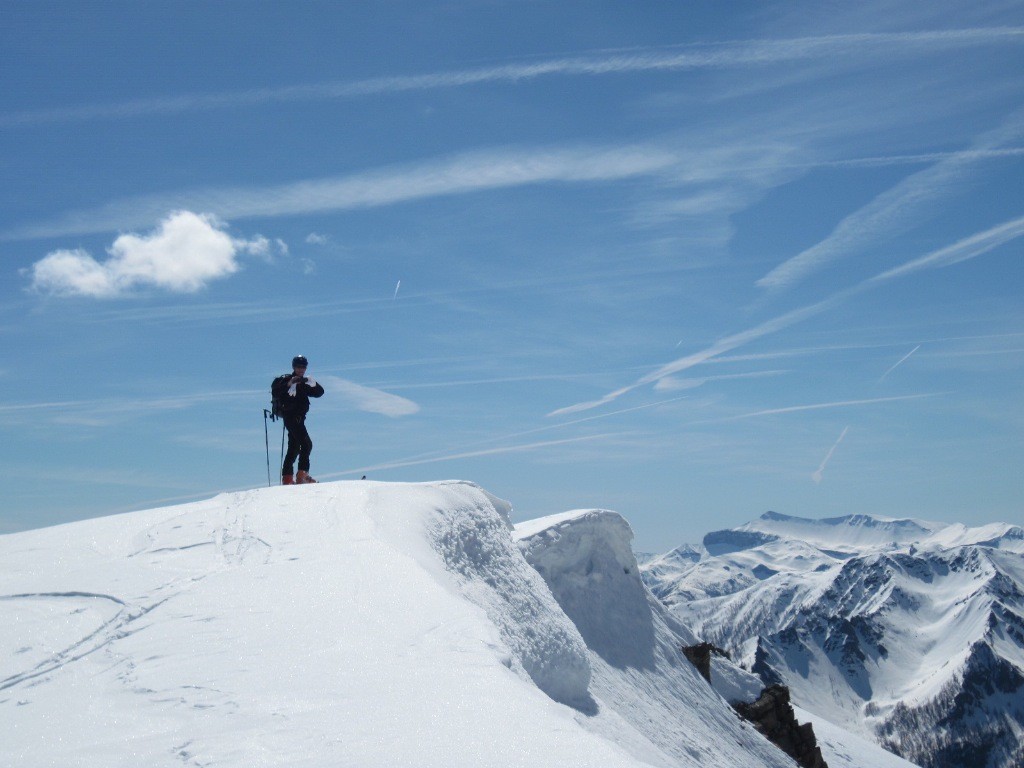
<point>905,631</point>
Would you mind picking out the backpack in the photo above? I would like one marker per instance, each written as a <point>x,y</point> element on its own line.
<point>276,406</point>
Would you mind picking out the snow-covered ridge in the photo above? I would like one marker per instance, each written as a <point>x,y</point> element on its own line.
<point>361,624</point>
<point>887,627</point>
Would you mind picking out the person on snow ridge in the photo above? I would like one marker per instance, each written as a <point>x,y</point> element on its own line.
<point>292,392</point>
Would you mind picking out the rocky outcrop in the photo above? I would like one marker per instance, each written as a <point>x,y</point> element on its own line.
<point>772,715</point>
<point>700,656</point>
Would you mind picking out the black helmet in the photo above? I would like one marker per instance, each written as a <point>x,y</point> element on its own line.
<point>300,361</point>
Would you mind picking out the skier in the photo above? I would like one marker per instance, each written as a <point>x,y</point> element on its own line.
<point>291,393</point>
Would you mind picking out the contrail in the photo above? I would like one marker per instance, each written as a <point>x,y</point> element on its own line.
<point>466,455</point>
<point>895,210</point>
<point>838,404</point>
<point>397,286</point>
<point>720,55</point>
<point>821,470</point>
<point>392,465</point>
<point>900,362</point>
<point>967,248</point>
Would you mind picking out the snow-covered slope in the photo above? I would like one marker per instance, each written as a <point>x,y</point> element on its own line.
<point>906,631</point>
<point>635,646</point>
<point>343,624</point>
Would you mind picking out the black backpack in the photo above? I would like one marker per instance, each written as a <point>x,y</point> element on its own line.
<point>276,406</point>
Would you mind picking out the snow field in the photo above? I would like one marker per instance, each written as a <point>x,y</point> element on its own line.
<point>279,627</point>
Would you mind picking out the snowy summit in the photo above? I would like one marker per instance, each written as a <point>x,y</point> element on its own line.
<point>352,624</point>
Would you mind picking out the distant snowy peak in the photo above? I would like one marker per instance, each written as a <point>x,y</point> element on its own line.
<point>858,533</point>
<point>659,570</point>
<point>687,553</point>
<point>847,532</point>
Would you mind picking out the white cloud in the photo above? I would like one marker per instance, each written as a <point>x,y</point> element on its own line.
<point>262,248</point>
<point>314,238</point>
<point>185,253</point>
<point>369,399</point>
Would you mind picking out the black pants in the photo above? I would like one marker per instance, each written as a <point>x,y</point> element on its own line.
<point>299,444</point>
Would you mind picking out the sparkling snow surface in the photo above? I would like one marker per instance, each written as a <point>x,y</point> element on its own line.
<point>318,626</point>
<point>343,624</point>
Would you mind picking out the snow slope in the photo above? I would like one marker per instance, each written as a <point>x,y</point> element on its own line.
<point>635,646</point>
<point>908,632</point>
<point>343,624</point>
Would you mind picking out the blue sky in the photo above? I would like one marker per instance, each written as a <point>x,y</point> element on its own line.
<point>685,260</point>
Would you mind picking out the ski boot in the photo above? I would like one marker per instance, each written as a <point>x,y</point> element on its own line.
<point>303,477</point>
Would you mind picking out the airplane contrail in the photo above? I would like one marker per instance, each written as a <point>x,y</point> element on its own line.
<point>900,362</point>
<point>819,473</point>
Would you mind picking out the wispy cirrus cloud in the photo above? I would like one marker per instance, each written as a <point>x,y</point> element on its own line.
<point>672,384</point>
<point>461,174</point>
<point>741,170</point>
<point>967,248</point>
<point>369,399</point>
<point>727,54</point>
<point>100,412</point>
<point>104,411</point>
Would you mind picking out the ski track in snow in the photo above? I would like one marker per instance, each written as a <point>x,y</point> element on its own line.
<point>233,542</point>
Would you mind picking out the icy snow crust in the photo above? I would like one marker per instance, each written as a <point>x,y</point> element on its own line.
<point>343,624</point>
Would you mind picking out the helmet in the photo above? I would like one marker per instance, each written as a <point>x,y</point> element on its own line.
<point>300,361</point>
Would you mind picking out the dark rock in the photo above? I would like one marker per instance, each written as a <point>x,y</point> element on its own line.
<point>772,715</point>
<point>700,656</point>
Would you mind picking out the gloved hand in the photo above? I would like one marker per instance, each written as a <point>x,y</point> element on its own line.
<point>310,381</point>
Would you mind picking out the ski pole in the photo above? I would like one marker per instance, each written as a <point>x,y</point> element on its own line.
<point>266,440</point>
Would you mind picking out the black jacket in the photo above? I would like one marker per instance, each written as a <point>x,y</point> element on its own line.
<point>297,405</point>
